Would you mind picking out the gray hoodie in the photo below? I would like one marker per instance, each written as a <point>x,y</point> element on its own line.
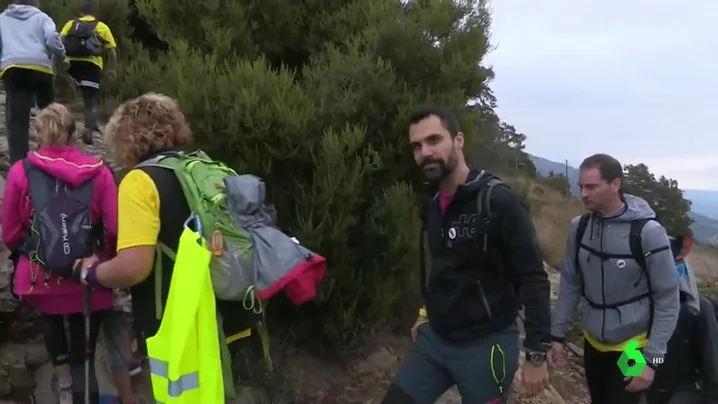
<point>608,281</point>
<point>28,36</point>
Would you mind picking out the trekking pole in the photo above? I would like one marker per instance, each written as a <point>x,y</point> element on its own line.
<point>87,313</point>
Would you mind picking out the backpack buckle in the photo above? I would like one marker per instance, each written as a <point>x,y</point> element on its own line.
<point>197,223</point>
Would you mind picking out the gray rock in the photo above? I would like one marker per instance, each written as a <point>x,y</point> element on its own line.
<point>35,354</point>
<point>44,380</point>
<point>5,386</point>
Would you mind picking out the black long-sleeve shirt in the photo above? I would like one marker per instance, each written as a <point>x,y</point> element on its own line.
<point>481,273</point>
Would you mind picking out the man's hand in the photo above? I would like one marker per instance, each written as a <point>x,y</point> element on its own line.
<point>534,378</point>
<point>111,75</point>
<point>557,356</point>
<point>640,383</point>
<point>419,321</point>
<point>79,270</point>
<point>65,64</point>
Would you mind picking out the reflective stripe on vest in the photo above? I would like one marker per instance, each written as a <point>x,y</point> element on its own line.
<point>174,388</point>
<point>186,344</point>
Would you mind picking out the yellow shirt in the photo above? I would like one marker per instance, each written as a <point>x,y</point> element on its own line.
<point>138,218</point>
<point>138,206</point>
<point>40,69</point>
<point>604,347</point>
<point>102,30</point>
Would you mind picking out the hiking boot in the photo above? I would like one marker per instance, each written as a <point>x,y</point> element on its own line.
<point>65,394</point>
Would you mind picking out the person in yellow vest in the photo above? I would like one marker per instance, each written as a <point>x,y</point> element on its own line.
<point>86,41</point>
<point>181,325</point>
<point>28,43</point>
<point>619,262</point>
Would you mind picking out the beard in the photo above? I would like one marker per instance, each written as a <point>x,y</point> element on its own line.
<point>437,169</point>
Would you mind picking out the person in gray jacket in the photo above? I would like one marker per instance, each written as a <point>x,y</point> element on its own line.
<point>28,42</point>
<point>619,263</point>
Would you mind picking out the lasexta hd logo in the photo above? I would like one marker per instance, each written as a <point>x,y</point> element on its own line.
<point>632,362</point>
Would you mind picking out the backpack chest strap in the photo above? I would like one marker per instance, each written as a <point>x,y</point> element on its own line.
<point>605,256</point>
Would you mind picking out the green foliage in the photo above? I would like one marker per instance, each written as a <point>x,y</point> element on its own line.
<point>501,147</point>
<point>314,98</point>
<point>558,182</point>
<point>662,194</point>
<point>114,13</point>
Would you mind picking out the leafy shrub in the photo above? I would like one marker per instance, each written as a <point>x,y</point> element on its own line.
<point>314,98</point>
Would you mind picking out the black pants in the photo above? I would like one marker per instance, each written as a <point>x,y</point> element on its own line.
<point>87,77</point>
<point>605,381</point>
<point>24,88</point>
<point>64,350</point>
<point>676,397</point>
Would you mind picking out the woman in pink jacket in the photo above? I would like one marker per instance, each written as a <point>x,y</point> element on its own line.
<point>52,198</point>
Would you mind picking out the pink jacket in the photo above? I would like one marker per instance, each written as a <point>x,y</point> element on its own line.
<point>49,294</point>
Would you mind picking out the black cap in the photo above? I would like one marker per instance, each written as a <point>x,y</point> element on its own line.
<point>87,8</point>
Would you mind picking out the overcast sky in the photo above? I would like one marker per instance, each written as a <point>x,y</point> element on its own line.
<point>637,79</point>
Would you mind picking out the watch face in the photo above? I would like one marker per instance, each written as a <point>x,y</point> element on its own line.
<point>536,358</point>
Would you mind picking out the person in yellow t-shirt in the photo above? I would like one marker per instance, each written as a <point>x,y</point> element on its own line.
<point>152,209</point>
<point>87,40</point>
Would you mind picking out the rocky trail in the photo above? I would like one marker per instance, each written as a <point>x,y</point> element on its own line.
<point>26,374</point>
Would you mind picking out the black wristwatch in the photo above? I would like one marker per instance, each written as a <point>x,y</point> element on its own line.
<point>536,358</point>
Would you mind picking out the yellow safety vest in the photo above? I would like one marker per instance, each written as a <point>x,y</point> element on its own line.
<point>184,355</point>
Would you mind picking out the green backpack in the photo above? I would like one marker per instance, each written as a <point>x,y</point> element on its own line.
<point>202,180</point>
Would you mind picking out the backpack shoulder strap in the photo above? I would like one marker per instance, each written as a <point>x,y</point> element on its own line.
<point>483,200</point>
<point>39,183</point>
<point>636,242</point>
<point>483,208</point>
<point>578,237</point>
<point>424,256</point>
<point>75,27</point>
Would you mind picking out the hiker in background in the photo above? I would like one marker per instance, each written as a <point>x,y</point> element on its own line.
<point>86,40</point>
<point>484,264</point>
<point>689,374</point>
<point>116,333</point>
<point>618,260</point>
<point>59,182</point>
<point>28,43</point>
<point>158,247</point>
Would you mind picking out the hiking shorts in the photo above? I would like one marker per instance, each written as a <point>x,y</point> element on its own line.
<point>483,371</point>
<point>114,329</point>
<point>85,74</point>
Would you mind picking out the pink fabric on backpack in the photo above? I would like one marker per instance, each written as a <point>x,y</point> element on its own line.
<point>50,294</point>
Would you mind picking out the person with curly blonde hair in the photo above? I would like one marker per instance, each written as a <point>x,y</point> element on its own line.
<point>152,211</point>
<point>55,191</point>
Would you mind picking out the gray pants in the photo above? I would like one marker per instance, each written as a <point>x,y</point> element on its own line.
<point>483,371</point>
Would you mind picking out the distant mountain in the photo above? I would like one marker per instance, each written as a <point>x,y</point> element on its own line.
<point>704,208</point>
<point>705,229</point>
<point>703,202</point>
<point>544,166</point>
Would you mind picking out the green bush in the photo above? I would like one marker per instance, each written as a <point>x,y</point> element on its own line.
<point>115,13</point>
<point>313,97</point>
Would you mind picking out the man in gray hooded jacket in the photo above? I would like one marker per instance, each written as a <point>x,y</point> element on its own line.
<point>28,42</point>
<point>628,295</point>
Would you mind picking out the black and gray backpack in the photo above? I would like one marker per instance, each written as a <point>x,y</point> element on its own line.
<point>83,40</point>
<point>59,222</point>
